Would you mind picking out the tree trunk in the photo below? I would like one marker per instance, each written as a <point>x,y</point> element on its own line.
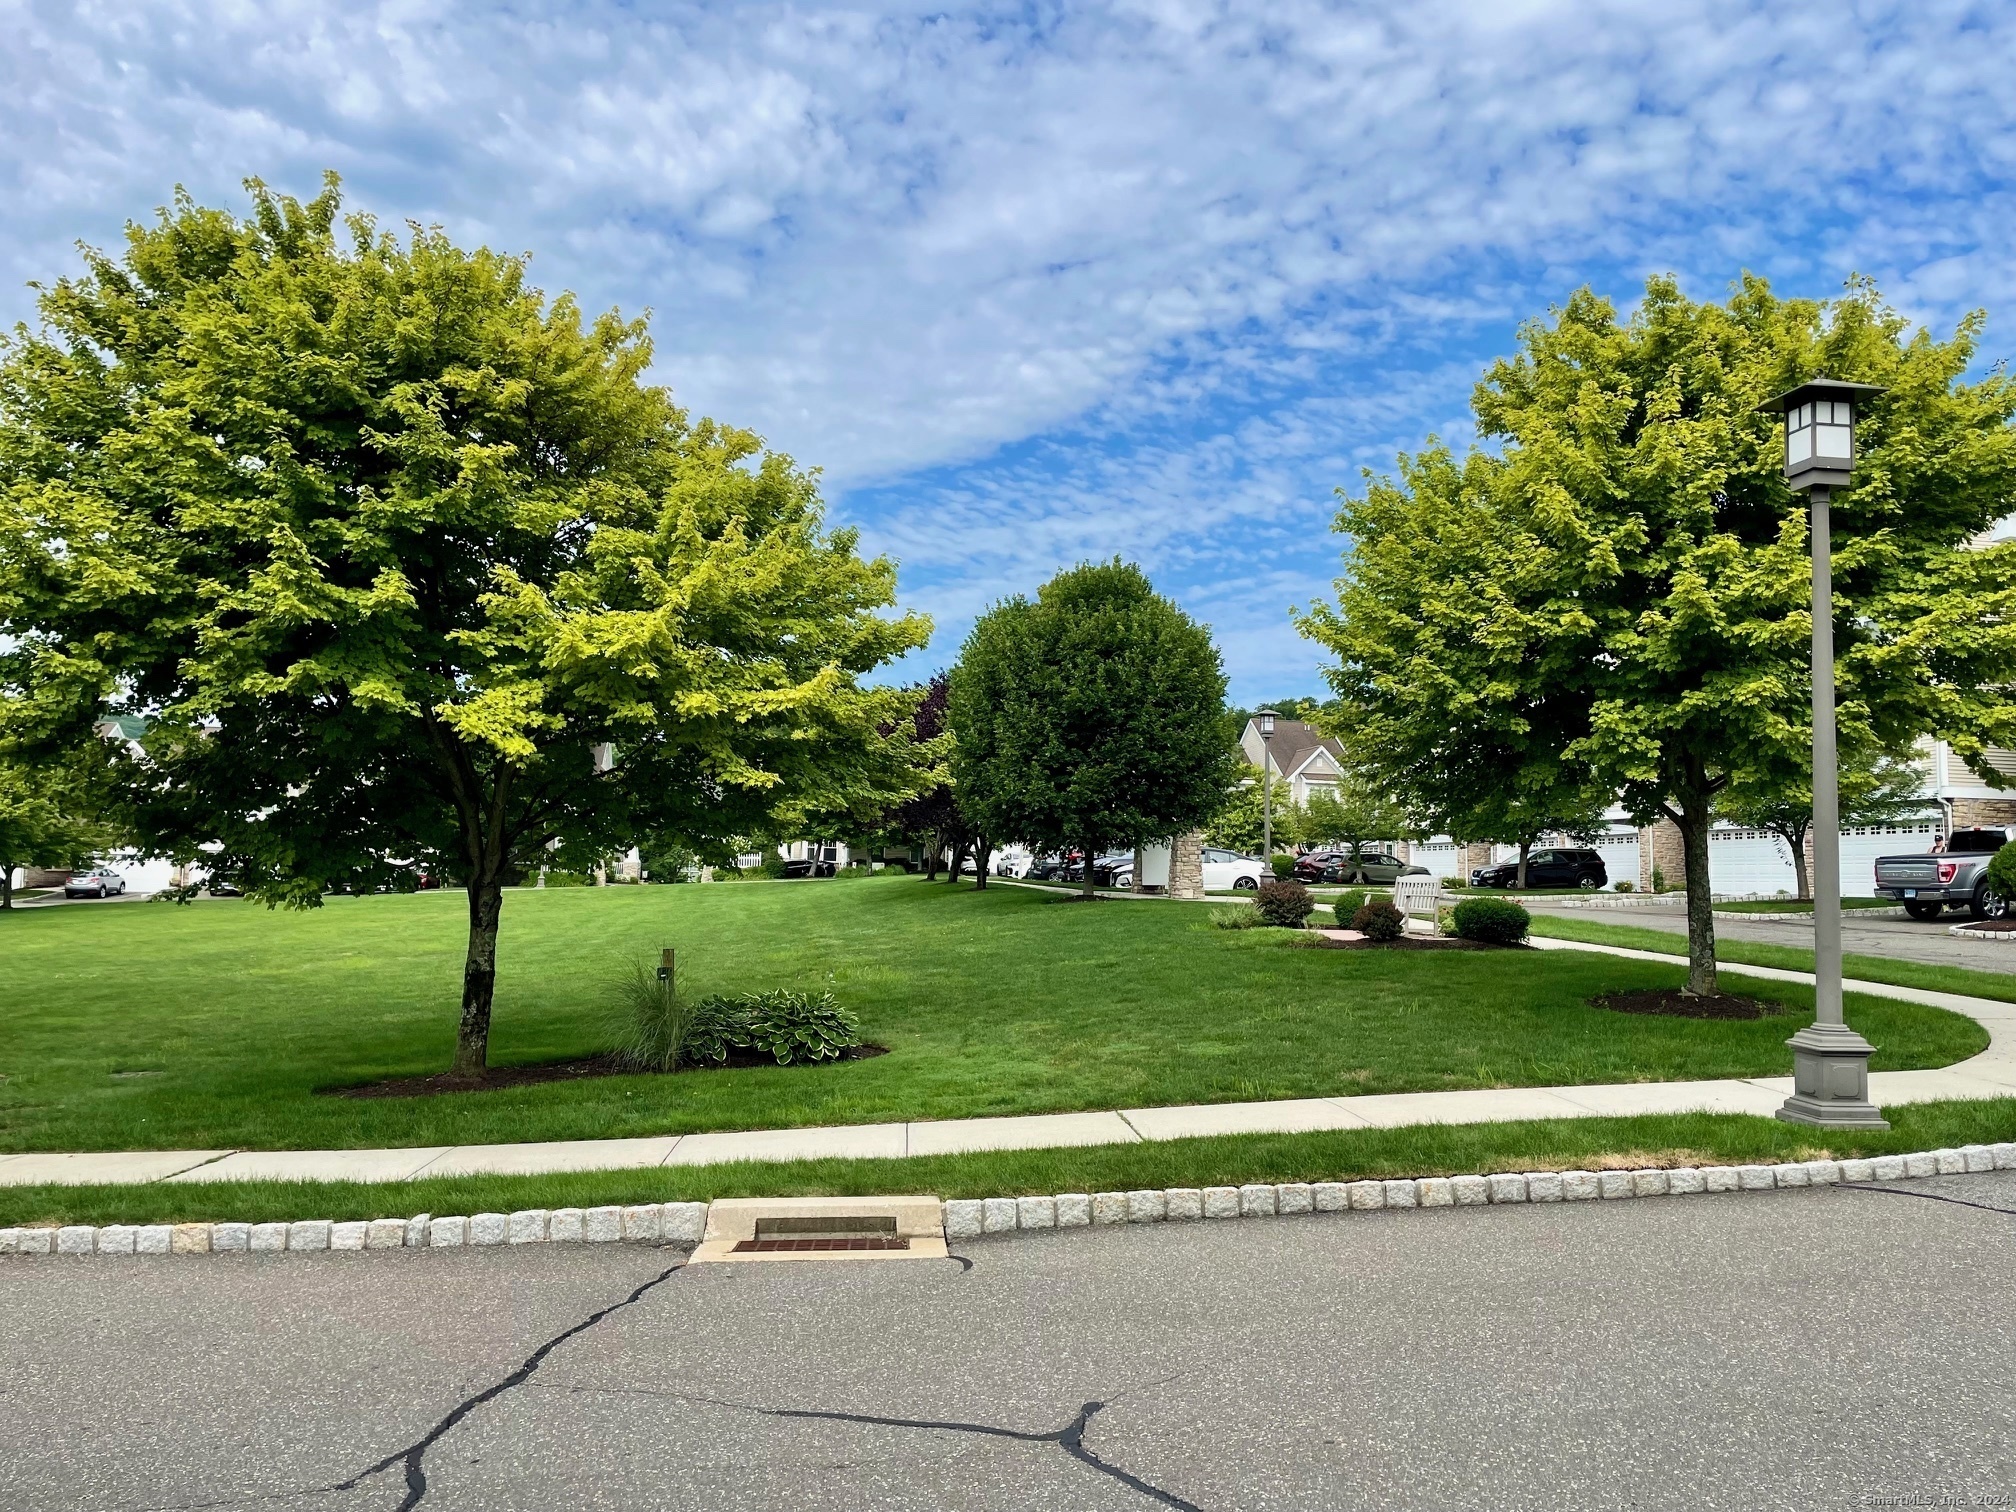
<point>1524,847</point>
<point>931,853</point>
<point>479,980</point>
<point>1694,821</point>
<point>6,884</point>
<point>1085,889</point>
<point>981,846</point>
<point>957,861</point>
<point>1796,843</point>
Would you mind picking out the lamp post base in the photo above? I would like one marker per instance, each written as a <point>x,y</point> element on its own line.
<point>1830,1080</point>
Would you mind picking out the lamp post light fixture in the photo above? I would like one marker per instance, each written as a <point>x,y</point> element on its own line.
<point>1830,1061</point>
<point>1265,720</point>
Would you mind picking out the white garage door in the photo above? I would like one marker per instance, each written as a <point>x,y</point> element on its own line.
<point>1861,846</point>
<point>1744,861</point>
<point>1443,859</point>
<point>1620,856</point>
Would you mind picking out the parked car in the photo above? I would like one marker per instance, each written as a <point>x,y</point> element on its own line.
<point>1012,861</point>
<point>1322,866</point>
<point>1381,867</point>
<point>808,868</point>
<point>1548,868</point>
<point>1044,869</point>
<point>218,888</point>
<point>98,882</point>
<point>1926,884</point>
<point>1224,868</point>
<point>1104,868</point>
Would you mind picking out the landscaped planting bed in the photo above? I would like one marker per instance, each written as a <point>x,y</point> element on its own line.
<point>150,1026</point>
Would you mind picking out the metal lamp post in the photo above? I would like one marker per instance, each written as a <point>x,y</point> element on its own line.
<point>1830,1061</point>
<point>1265,720</point>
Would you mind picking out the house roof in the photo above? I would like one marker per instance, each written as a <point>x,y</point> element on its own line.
<point>1294,743</point>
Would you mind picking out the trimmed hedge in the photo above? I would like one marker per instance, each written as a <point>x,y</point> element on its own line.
<point>1285,905</point>
<point>1494,921</point>
<point>1379,920</point>
<point>1348,903</point>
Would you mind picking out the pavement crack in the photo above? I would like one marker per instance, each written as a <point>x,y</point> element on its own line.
<point>414,1456</point>
<point>1070,1438</point>
<point>1986,1207</point>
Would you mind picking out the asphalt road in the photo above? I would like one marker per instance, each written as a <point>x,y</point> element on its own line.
<point>1901,939</point>
<point>1819,1349</point>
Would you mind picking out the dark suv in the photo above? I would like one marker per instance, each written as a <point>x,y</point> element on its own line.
<point>1558,867</point>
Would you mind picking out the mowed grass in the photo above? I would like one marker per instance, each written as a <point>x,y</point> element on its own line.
<point>152,1026</point>
<point>1865,968</point>
<point>1337,1155</point>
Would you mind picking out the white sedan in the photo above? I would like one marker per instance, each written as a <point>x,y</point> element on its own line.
<point>1224,868</point>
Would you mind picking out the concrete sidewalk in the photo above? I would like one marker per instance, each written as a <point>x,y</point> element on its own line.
<point>1992,1073</point>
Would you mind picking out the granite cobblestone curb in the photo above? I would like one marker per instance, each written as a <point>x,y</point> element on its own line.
<point>685,1223</point>
<point>650,1223</point>
<point>965,1218</point>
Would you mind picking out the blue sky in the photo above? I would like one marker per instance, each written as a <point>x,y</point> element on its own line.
<point>1034,284</point>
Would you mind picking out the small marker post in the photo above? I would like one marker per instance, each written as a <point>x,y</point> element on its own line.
<point>665,968</point>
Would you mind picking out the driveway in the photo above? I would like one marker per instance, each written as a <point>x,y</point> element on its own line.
<point>1808,1349</point>
<point>1901,939</point>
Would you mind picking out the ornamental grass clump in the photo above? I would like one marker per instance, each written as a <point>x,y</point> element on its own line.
<point>1492,921</point>
<point>1379,920</point>
<point>654,1021</point>
<point>1285,905</point>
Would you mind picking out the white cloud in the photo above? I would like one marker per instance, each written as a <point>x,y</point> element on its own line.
<point>1210,257</point>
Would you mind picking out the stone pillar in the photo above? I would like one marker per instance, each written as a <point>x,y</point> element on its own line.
<point>1660,845</point>
<point>1186,865</point>
<point>1476,853</point>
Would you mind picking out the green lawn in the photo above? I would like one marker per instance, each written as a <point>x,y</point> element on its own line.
<point>156,1026</point>
<point>1340,1155</point>
<point>1865,968</point>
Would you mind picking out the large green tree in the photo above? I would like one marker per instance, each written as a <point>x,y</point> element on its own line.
<point>1092,715</point>
<point>409,568</point>
<point>1624,552</point>
<point>46,820</point>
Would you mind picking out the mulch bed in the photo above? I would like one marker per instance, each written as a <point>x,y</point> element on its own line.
<point>1417,942</point>
<point>1990,926</point>
<point>500,1078</point>
<point>1671,1002</point>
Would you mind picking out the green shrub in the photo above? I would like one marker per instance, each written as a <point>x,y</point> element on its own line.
<point>795,1028</point>
<point>565,879</point>
<point>773,867</point>
<point>2002,872</point>
<point>1658,880</point>
<point>1284,866</point>
<point>1236,918</point>
<point>1348,903</point>
<point>1379,920</point>
<point>717,1026</point>
<point>1626,887</point>
<point>1495,921</point>
<point>1285,905</point>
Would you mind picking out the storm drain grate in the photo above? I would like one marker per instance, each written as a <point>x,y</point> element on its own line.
<point>826,1242</point>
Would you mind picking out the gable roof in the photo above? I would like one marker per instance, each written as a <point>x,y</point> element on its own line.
<point>1294,744</point>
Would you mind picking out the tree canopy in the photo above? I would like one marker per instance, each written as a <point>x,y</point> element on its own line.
<point>410,569</point>
<point>1621,581</point>
<point>1092,715</point>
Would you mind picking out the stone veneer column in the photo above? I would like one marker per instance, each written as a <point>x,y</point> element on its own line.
<point>1186,865</point>
<point>1984,813</point>
<point>1476,853</point>
<point>1660,845</point>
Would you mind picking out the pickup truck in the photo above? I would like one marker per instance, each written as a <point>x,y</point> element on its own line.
<point>1926,884</point>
